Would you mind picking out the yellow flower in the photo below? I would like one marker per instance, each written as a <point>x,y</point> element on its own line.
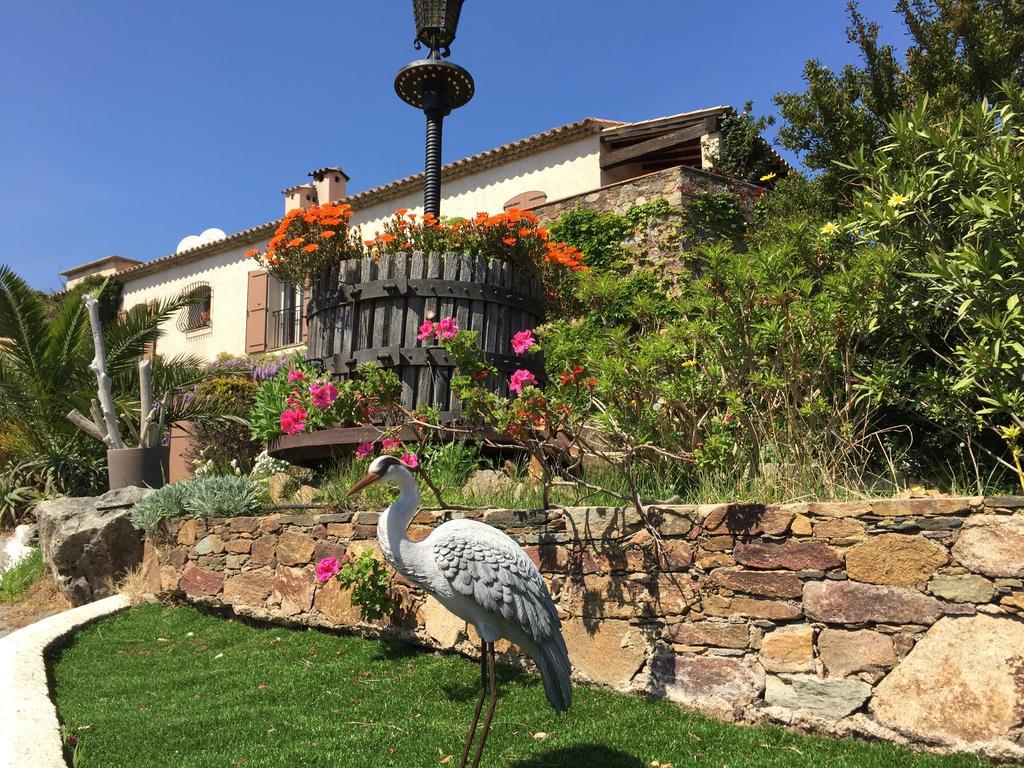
<point>688,363</point>
<point>768,176</point>
<point>896,200</point>
<point>830,229</point>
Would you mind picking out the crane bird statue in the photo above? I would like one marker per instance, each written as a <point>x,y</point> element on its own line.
<point>482,576</point>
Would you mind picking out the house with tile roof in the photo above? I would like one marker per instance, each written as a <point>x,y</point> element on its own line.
<point>242,310</point>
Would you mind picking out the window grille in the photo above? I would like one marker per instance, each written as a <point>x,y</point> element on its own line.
<point>197,314</point>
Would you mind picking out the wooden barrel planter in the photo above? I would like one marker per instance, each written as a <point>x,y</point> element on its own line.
<point>370,310</point>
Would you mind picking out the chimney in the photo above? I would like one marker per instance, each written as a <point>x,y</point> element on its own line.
<point>300,196</point>
<point>329,184</point>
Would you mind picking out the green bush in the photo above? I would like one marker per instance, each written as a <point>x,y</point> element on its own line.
<point>163,503</point>
<point>218,445</point>
<point>943,197</point>
<point>370,582</point>
<point>598,235</point>
<point>224,496</point>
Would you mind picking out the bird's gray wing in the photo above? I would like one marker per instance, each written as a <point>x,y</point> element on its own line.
<point>486,565</point>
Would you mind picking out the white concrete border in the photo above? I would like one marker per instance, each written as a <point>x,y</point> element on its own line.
<point>29,731</point>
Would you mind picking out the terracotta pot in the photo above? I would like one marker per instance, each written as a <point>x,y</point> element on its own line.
<point>143,467</point>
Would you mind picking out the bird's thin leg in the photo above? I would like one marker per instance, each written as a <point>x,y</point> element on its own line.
<point>479,704</point>
<point>493,686</point>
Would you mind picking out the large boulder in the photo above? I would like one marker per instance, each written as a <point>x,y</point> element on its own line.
<point>89,542</point>
<point>960,685</point>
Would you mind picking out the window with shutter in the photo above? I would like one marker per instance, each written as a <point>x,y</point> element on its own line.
<point>527,200</point>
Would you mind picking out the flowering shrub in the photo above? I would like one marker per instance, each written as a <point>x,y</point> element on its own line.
<point>513,236</point>
<point>302,399</point>
<point>368,579</point>
<point>308,241</point>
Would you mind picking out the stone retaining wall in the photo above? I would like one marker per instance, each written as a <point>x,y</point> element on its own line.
<point>897,619</point>
<point>673,184</point>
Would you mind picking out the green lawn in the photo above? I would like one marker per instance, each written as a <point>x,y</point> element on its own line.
<point>15,582</point>
<point>157,687</point>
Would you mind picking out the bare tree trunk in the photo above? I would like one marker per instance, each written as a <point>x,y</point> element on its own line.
<point>146,412</point>
<point>87,426</point>
<point>99,367</point>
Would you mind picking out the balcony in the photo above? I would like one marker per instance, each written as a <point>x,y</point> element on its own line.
<point>286,327</point>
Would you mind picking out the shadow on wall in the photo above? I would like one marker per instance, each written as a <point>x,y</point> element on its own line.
<point>583,755</point>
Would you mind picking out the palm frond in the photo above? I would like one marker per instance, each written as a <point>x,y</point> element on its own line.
<point>127,339</point>
<point>22,316</point>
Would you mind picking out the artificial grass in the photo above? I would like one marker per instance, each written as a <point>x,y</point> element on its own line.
<point>156,686</point>
<point>16,581</point>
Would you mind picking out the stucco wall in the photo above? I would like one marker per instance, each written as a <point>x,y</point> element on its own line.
<point>226,272</point>
<point>898,619</point>
<point>562,170</point>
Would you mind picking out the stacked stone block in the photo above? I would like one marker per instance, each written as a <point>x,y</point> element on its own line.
<point>899,619</point>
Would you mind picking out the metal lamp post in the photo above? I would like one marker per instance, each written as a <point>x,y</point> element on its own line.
<point>434,85</point>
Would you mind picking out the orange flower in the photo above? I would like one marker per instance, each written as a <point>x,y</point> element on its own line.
<point>295,242</point>
<point>508,240</point>
<point>310,247</point>
<point>412,216</point>
<point>370,243</point>
<point>524,232</point>
<point>252,252</point>
<point>401,212</point>
<point>387,237</point>
<point>328,234</point>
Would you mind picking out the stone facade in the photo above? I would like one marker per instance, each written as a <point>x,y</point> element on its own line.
<point>673,184</point>
<point>897,619</point>
<point>660,244</point>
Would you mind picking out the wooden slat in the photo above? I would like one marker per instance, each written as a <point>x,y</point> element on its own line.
<point>399,308</point>
<point>382,307</point>
<point>476,307</point>
<point>449,308</point>
<point>502,346</point>
<point>650,146</point>
<point>431,308</point>
<point>708,118</point>
<point>364,323</point>
<point>347,315</point>
<point>413,318</point>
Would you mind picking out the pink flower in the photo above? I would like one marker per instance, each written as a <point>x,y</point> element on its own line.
<point>410,460</point>
<point>520,379</point>
<point>327,568</point>
<point>426,330</point>
<point>522,341</point>
<point>323,394</point>
<point>390,442</point>
<point>364,450</point>
<point>296,375</point>
<point>447,329</point>
<point>293,420</point>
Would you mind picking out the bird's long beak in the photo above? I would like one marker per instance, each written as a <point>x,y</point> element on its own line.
<point>368,479</point>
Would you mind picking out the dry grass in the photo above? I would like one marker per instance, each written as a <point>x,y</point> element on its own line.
<point>135,586</point>
<point>42,599</point>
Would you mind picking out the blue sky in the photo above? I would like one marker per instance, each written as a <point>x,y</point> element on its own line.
<point>128,125</point>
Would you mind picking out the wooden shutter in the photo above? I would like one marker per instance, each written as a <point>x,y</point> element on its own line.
<point>524,201</point>
<point>256,312</point>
